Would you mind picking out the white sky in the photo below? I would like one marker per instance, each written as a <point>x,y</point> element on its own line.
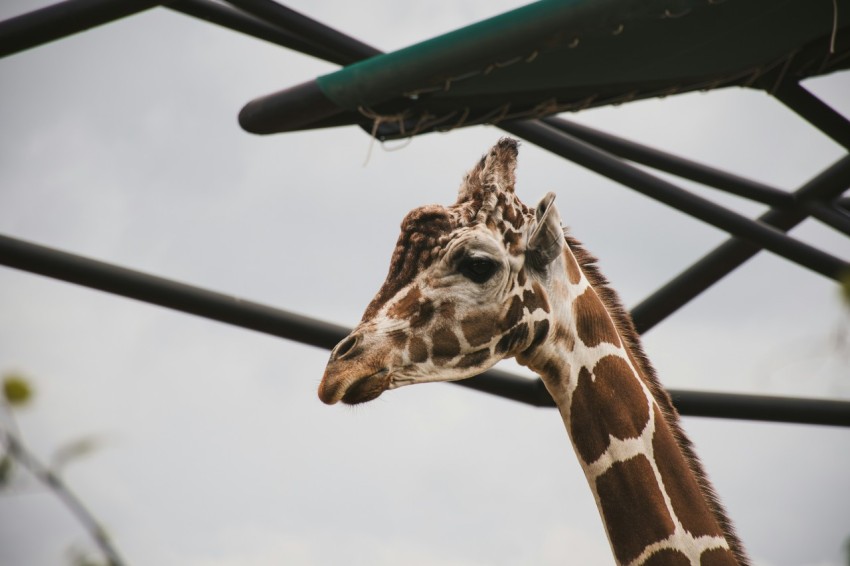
<point>121,144</point>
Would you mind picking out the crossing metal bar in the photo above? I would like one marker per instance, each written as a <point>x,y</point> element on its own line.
<point>691,403</point>
<point>674,164</point>
<point>833,217</point>
<point>63,19</point>
<point>614,168</point>
<point>239,21</point>
<point>347,49</point>
<point>167,293</point>
<point>246,314</point>
<point>815,111</point>
<point>732,253</point>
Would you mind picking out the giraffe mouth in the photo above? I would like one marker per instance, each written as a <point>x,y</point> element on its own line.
<point>367,388</point>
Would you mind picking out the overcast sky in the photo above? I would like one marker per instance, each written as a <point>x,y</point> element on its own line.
<point>121,144</point>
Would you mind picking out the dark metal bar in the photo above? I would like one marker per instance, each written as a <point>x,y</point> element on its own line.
<point>236,20</point>
<point>347,49</point>
<point>63,19</point>
<point>232,310</point>
<point>833,217</point>
<point>689,403</point>
<point>674,164</point>
<point>762,408</point>
<point>735,251</point>
<point>612,167</point>
<point>164,292</point>
<point>815,111</point>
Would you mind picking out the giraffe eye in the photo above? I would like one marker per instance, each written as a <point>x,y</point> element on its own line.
<point>477,269</point>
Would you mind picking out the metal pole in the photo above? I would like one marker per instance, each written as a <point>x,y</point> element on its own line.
<point>610,166</point>
<point>167,293</point>
<point>762,408</point>
<point>735,251</point>
<point>834,217</point>
<point>674,164</point>
<point>239,21</point>
<point>348,50</point>
<point>815,111</point>
<point>232,310</point>
<point>63,19</point>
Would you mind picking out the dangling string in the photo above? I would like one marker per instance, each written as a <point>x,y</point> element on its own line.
<point>377,120</point>
<point>834,27</point>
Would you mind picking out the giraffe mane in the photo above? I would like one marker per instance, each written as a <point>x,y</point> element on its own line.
<point>626,328</point>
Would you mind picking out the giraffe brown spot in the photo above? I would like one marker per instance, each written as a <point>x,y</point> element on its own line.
<point>633,508</point>
<point>420,231</point>
<point>614,404</point>
<point>593,323</point>
<point>541,330</point>
<point>446,310</point>
<point>509,214</point>
<point>399,339</point>
<point>680,483</point>
<point>514,314</point>
<point>519,218</point>
<point>444,344</point>
<point>474,359</point>
<point>564,337</point>
<point>573,270</point>
<point>718,557</point>
<point>553,369</point>
<point>520,277</point>
<point>418,350</point>
<point>423,315</point>
<point>478,329</point>
<point>513,241</point>
<point>515,337</point>
<point>667,557</point>
<point>535,298</point>
<point>407,305</point>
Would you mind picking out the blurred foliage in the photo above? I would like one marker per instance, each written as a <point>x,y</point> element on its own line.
<point>5,470</point>
<point>73,450</point>
<point>78,557</point>
<point>16,389</point>
<point>17,392</point>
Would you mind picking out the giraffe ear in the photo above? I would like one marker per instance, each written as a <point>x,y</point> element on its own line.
<point>547,239</point>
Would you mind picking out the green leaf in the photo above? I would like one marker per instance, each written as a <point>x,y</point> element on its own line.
<point>16,389</point>
<point>73,450</point>
<point>5,470</point>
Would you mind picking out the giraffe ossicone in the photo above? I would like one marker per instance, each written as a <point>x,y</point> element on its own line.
<point>489,278</point>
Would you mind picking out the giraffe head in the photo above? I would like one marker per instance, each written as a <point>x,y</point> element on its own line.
<point>466,288</point>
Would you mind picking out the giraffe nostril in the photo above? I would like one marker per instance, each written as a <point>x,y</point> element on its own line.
<point>346,347</point>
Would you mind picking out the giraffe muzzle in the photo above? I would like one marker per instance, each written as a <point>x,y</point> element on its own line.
<point>341,386</point>
<point>355,373</point>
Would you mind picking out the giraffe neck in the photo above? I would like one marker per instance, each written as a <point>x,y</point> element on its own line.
<point>654,500</point>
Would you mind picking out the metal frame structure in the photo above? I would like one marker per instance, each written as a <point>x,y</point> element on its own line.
<point>820,198</point>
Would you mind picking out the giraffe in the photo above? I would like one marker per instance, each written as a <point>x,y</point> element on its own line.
<point>490,278</point>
